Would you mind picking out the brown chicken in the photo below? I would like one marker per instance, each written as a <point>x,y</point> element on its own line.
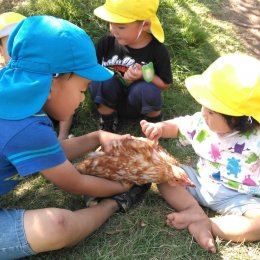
<point>137,160</point>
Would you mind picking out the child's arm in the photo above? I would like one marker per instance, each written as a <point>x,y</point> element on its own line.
<point>165,129</point>
<point>158,82</point>
<point>79,146</point>
<point>135,73</point>
<point>69,179</point>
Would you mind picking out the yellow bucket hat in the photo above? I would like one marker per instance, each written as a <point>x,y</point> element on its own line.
<point>8,21</point>
<point>230,86</point>
<point>125,11</point>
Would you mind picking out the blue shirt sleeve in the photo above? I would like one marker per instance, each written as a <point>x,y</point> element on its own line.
<point>34,148</point>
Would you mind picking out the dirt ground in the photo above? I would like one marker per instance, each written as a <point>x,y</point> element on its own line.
<point>243,14</point>
<point>245,17</point>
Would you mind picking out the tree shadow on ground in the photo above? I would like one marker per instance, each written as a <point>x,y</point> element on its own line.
<point>245,18</point>
<point>190,50</point>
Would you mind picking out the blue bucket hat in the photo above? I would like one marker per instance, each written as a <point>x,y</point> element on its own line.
<point>39,47</point>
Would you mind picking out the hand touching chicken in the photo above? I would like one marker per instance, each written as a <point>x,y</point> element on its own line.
<point>137,160</point>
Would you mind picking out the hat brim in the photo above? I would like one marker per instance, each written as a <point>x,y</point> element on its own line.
<point>200,89</point>
<point>7,30</point>
<point>110,17</point>
<point>96,73</point>
<point>27,96</point>
<point>30,90</point>
<point>156,28</point>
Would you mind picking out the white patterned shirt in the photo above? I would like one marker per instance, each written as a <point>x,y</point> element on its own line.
<point>232,159</point>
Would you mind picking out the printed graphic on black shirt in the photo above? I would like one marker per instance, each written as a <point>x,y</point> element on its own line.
<point>119,67</point>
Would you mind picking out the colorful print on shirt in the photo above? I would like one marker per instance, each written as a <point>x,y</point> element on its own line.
<point>232,159</point>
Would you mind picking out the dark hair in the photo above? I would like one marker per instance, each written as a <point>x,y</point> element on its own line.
<point>241,123</point>
<point>60,75</point>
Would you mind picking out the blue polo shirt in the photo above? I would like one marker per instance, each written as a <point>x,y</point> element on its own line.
<point>27,146</point>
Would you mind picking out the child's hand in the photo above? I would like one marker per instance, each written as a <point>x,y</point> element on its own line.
<point>134,73</point>
<point>153,131</point>
<point>108,140</point>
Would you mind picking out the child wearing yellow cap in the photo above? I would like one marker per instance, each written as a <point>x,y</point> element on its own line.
<point>134,50</point>
<point>8,21</point>
<point>50,78</point>
<point>226,137</point>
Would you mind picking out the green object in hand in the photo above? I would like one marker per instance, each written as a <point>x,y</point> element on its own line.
<point>148,72</point>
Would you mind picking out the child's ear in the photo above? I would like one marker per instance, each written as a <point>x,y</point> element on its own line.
<point>147,25</point>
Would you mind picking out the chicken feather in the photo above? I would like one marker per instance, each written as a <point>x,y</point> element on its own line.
<point>137,160</point>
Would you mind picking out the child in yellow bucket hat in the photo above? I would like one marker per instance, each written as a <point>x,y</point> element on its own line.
<point>226,137</point>
<point>8,21</point>
<point>134,50</point>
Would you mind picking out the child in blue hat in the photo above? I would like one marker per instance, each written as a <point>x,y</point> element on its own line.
<point>52,62</point>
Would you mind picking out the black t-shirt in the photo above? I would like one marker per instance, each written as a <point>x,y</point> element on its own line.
<point>119,58</point>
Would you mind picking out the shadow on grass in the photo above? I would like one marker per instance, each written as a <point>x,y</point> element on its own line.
<point>245,18</point>
<point>190,50</point>
<point>36,192</point>
<point>187,40</point>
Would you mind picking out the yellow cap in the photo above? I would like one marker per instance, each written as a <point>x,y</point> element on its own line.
<point>128,11</point>
<point>8,21</point>
<point>230,86</point>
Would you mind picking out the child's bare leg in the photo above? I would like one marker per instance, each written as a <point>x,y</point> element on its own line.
<point>190,215</point>
<point>52,228</point>
<point>238,228</point>
<point>181,200</point>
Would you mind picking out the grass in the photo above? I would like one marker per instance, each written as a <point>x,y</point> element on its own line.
<point>194,38</point>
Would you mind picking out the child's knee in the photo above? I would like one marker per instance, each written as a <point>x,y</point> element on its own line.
<point>60,221</point>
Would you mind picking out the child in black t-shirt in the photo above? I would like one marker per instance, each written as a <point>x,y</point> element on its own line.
<point>135,52</point>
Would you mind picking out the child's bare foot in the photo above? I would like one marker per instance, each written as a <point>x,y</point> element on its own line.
<point>198,224</point>
<point>184,218</point>
<point>201,231</point>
